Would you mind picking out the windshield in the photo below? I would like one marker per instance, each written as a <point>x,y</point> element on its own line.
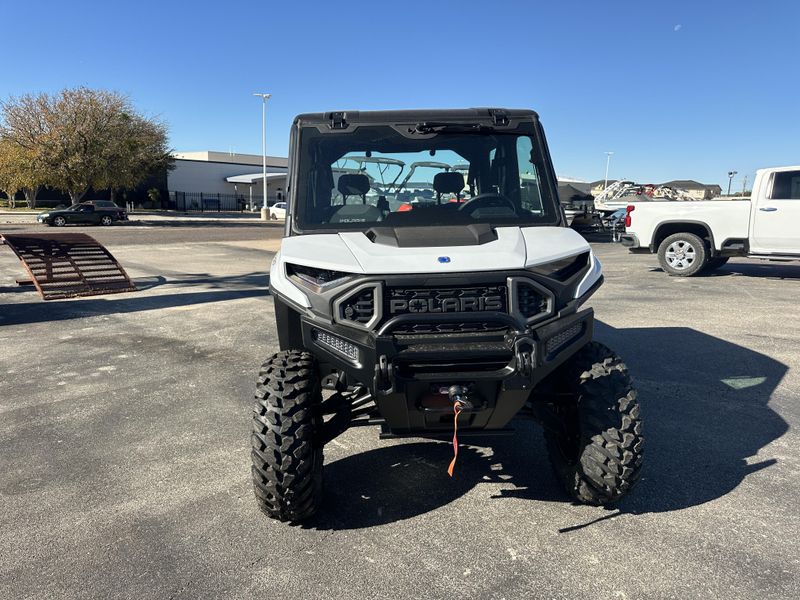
<point>377,176</point>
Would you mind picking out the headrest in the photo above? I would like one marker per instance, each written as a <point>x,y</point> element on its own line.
<point>448,183</point>
<point>351,184</point>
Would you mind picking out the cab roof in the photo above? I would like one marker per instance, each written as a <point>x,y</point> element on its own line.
<point>457,115</point>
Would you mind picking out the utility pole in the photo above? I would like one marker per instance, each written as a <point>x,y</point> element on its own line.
<point>744,186</point>
<point>608,162</point>
<point>264,98</point>
<point>731,175</point>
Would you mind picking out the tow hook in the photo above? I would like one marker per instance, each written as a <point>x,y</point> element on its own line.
<point>523,351</point>
<point>383,375</point>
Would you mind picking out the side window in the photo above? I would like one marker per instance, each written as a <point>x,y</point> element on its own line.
<point>530,195</point>
<point>786,186</point>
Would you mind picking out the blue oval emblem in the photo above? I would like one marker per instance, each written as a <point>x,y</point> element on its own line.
<point>444,259</point>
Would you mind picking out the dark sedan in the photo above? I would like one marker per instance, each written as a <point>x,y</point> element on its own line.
<point>93,212</point>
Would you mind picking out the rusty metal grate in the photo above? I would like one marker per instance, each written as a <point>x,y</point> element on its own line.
<point>66,265</point>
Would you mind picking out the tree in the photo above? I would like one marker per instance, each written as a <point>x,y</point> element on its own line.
<point>81,138</point>
<point>141,150</point>
<point>10,180</point>
<point>18,169</point>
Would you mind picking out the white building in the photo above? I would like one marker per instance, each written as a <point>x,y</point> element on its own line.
<point>226,174</point>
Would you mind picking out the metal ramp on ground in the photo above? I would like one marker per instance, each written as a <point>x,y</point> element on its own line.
<point>67,265</point>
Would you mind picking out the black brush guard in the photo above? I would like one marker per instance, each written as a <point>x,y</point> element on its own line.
<point>404,374</point>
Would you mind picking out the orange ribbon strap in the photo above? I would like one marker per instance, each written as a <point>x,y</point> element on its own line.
<point>456,411</point>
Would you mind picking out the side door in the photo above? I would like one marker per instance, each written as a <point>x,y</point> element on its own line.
<point>85,214</point>
<point>776,215</point>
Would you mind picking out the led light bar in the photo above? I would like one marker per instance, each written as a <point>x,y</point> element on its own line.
<point>336,344</point>
<point>563,338</point>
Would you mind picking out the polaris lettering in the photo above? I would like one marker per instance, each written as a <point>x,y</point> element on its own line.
<point>446,305</point>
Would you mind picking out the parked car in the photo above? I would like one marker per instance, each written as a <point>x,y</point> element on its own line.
<point>277,210</point>
<point>691,237</point>
<point>92,212</point>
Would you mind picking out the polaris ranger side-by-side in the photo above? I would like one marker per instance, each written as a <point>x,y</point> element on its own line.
<point>418,301</point>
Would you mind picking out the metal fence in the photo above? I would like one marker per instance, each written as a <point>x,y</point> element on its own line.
<point>202,202</point>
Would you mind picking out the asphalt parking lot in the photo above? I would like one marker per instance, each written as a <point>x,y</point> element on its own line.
<point>124,453</point>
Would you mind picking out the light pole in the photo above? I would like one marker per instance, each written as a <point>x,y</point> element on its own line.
<point>264,98</point>
<point>608,162</point>
<point>731,175</point>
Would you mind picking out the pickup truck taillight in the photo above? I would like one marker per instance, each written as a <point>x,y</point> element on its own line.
<point>628,210</point>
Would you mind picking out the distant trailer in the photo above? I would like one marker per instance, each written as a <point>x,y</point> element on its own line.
<point>68,265</point>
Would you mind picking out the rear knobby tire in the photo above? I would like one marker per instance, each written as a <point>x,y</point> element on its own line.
<point>683,254</point>
<point>287,456</point>
<point>598,456</point>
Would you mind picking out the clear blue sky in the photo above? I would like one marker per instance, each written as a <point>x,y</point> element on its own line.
<point>675,89</point>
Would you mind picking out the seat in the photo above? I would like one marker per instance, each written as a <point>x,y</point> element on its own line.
<point>450,182</point>
<point>355,184</point>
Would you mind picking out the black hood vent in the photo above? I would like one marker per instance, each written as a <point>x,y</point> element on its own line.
<point>432,237</point>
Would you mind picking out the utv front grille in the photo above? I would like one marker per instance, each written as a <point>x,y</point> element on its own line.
<point>532,302</point>
<point>360,307</point>
<point>445,300</point>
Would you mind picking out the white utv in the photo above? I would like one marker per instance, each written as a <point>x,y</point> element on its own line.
<point>466,309</point>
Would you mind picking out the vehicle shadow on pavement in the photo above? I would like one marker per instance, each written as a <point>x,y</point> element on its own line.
<point>705,405</point>
<point>198,223</point>
<point>706,413</point>
<point>205,280</point>
<point>401,481</point>
<point>766,270</point>
<point>214,289</point>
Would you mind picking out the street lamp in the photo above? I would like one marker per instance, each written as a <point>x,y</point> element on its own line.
<point>608,162</point>
<point>264,98</point>
<point>731,175</point>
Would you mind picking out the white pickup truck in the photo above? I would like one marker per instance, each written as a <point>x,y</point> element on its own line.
<point>691,237</point>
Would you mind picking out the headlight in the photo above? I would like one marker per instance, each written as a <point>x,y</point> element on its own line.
<point>313,278</point>
<point>564,268</point>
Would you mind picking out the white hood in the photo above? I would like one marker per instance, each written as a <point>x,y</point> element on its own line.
<point>354,252</point>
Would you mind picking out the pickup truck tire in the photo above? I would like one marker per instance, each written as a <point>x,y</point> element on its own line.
<point>598,455</point>
<point>287,456</point>
<point>715,263</point>
<point>683,254</point>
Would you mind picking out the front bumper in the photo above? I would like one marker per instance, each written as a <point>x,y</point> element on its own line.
<point>406,373</point>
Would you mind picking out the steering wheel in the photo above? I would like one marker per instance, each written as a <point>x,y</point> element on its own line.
<point>488,200</point>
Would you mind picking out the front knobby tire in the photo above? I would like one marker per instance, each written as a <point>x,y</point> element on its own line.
<point>598,454</point>
<point>287,457</point>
